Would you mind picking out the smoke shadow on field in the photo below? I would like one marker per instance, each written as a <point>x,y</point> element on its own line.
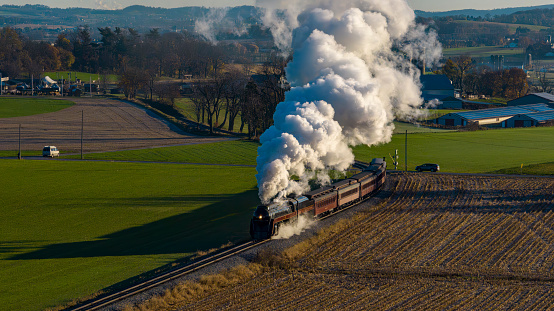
<point>205,228</point>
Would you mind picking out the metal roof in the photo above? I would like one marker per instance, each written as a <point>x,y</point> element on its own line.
<point>436,82</point>
<point>503,112</point>
<point>541,116</point>
<point>546,96</point>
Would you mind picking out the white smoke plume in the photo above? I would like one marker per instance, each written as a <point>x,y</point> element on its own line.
<point>107,5</point>
<point>351,75</point>
<point>217,21</point>
<point>294,228</point>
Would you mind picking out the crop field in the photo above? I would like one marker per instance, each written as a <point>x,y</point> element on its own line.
<point>70,229</point>
<point>18,107</point>
<point>107,125</point>
<point>435,242</point>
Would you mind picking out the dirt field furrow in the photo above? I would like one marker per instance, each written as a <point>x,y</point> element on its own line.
<point>438,242</point>
<point>108,125</point>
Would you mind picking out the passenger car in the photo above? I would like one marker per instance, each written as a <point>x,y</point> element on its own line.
<point>50,151</point>
<point>427,167</point>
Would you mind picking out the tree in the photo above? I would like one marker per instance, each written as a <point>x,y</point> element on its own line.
<point>12,55</point>
<point>131,81</point>
<point>457,69</point>
<point>210,95</point>
<point>252,109</point>
<point>234,92</point>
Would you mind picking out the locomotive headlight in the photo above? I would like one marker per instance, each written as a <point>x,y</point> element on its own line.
<point>260,216</point>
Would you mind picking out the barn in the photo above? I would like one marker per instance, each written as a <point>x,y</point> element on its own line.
<point>530,119</point>
<point>489,116</point>
<point>436,87</point>
<point>533,98</point>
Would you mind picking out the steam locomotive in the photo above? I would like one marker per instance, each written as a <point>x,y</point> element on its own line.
<point>267,218</point>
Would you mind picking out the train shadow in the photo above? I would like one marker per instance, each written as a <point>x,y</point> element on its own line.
<point>205,228</point>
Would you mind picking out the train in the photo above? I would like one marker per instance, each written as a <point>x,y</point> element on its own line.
<point>267,219</point>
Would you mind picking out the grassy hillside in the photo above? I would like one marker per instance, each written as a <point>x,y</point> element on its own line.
<point>69,229</point>
<point>18,107</point>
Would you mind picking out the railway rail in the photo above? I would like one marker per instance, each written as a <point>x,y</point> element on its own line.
<point>113,298</point>
<point>110,299</point>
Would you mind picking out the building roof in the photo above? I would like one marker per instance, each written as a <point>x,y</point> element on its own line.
<point>503,112</point>
<point>541,116</point>
<point>546,96</point>
<point>436,82</point>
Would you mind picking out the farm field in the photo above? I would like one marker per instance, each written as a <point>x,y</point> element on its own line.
<point>19,107</point>
<point>107,125</point>
<point>236,152</point>
<point>69,229</point>
<point>483,51</point>
<point>469,152</point>
<point>435,242</point>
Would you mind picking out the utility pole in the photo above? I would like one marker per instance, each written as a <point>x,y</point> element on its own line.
<point>82,130</point>
<point>32,86</point>
<point>1,89</point>
<point>19,153</point>
<point>406,152</point>
<point>395,159</point>
<point>90,86</point>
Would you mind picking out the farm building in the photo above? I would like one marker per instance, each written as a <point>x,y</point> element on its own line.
<point>534,98</point>
<point>450,103</point>
<point>489,116</point>
<point>436,87</point>
<point>530,119</point>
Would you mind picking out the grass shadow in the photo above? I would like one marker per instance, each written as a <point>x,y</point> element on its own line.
<point>201,229</point>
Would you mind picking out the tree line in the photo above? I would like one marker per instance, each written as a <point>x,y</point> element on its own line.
<point>471,79</point>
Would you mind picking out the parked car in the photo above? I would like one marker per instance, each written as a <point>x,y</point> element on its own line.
<point>50,151</point>
<point>428,167</point>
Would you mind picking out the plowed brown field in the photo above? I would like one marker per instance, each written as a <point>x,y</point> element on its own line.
<point>436,242</point>
<point>108,125</point>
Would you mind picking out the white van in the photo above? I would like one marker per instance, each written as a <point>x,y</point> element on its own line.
<point>50,151</point>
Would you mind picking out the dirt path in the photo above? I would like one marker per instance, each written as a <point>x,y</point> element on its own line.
<point>108,125</point>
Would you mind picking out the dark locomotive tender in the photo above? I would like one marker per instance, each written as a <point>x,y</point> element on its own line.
<point>267,218</point>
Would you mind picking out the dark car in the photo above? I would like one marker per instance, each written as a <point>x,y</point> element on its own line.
<point>427,167</point>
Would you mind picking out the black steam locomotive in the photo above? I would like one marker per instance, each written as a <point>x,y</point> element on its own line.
<point>267,218</point>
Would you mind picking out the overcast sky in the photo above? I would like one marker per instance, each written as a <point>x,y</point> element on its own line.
<point>426,5</point>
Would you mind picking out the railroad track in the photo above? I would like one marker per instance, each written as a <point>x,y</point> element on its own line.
<point>110,299</point>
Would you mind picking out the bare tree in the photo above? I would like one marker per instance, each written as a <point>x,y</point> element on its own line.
<point>236,82</point>
<point>210,96</point>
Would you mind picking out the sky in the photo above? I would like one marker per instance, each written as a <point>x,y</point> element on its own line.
<point>426,5</point>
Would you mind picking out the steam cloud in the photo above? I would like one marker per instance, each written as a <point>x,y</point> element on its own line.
<point>294,228</point>
<point>216,21</point>
<point>107,5</point>
<point>350,75</point>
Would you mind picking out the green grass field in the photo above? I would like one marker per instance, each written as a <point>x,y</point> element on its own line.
<point>469,152</point>
<point>84,76</point>
<point>186,107</point>
<point>483,51</point>
<point>69,229</point>
<point>239,152</point>
<point>19,107</point>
